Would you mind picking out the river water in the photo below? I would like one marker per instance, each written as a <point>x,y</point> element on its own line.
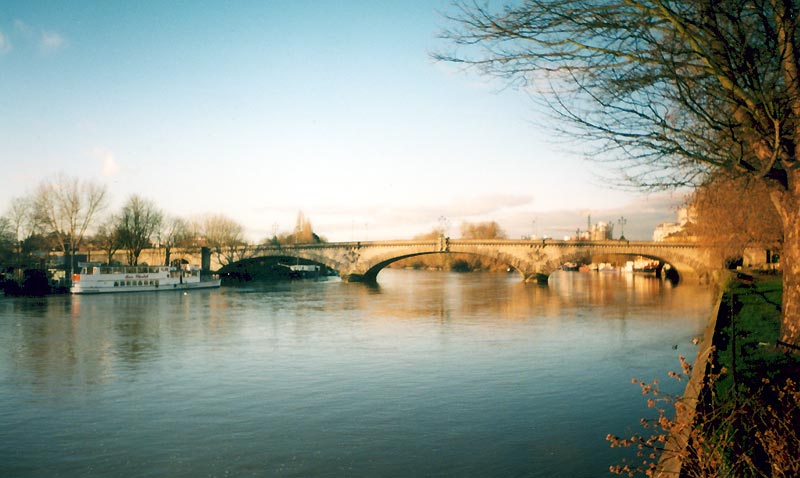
<point>427,374</point>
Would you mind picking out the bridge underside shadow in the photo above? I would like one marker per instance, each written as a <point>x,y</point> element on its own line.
<point>270,268</point>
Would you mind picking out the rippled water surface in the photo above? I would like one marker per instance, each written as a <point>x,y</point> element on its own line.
<point>427,374</point>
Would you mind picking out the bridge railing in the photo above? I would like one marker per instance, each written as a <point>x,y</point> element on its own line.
<point>487,242</point>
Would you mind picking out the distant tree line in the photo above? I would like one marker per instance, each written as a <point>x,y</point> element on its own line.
<point>69,214</point>
<point>303,234</point>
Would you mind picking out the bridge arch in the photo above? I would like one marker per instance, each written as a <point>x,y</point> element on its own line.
<point>382,262</point>
<point>681,266</point>
<point>675,269</point>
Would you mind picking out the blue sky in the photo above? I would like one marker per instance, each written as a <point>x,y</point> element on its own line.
<point>260,109</point>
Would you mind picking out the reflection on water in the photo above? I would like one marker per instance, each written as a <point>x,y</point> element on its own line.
<point>425,374</point>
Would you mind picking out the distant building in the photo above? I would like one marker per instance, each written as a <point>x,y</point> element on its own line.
<point>677,230</point>
<point>665,230</point>
<point>601,231</point>
<point>687,215</point>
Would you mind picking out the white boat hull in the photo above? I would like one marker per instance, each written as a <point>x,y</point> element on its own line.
<point>95,279</point>
<point>209,284</point>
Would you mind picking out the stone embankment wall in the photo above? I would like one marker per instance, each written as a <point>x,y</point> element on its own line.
<point>671,460</point>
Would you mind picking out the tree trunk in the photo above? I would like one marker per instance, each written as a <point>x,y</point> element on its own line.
<point>133,256</point>
<point>70,270</point>
<point>788,206</point>
<point>790,263</point>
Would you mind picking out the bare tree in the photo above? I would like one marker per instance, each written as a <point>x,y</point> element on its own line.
<point>482,230</point>
<point>672,89</point>
<point>755,222</point>
<point>174,233</point>
<point>139,220</point>
<point>7,241</point>
<point>24,223</point>
<point>6,230</point>
<point>303,231</point>
<point>225,237</point>
<point>66,207</point>
<point>21,214</point>
<point>108,237</point>
<point>434,234</point>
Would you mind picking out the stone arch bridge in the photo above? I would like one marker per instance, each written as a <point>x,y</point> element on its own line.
<point>534,260</point>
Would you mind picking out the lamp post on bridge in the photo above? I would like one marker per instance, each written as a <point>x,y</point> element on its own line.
<point>444,225</point>
<point>622,221</point>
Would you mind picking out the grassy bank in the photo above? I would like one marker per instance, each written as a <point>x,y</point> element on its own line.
<point>748,419</point>
<point>742,417</point>
<point>748,329</point>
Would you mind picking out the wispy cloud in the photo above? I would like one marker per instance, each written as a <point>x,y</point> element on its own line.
<point>518,212</point>
<point>108,161</point>
<point>23,28</point>
<point>47,41</point>
<point>515,213</point>
<point>50,42</point>
<point>5,44</point>
<point>641,216</point>
<point>345,221</point>
<point>486,205</point>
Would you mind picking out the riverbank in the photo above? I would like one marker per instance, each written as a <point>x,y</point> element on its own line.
<point>31,283</point>
<point>740,417</point>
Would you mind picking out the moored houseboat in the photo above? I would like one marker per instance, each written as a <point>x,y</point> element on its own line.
<point>96,279</point>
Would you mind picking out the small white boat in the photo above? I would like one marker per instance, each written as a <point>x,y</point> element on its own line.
<point>97,279</point>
